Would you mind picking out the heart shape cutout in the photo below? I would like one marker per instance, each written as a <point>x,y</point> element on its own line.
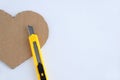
<point>14,44</point>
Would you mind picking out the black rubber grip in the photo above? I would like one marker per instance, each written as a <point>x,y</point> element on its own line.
<point>41,71</point>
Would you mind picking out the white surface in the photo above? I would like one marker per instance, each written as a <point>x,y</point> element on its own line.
<point>84,40</point>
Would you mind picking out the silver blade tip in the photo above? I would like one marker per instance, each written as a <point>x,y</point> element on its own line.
<point>30,30</point>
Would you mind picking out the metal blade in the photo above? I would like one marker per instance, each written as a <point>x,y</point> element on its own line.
<point>30,30</point>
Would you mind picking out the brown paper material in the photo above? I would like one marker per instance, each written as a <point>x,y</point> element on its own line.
<point>14,45</point>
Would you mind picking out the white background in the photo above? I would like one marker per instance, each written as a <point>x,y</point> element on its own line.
<point>84,39</point>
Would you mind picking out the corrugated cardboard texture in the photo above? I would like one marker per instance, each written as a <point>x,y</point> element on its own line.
<point>14,45</point>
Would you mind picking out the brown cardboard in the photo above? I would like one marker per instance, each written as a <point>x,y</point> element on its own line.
<point>14,45</point>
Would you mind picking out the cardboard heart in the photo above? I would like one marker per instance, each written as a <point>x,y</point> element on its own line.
<point>14,45</point>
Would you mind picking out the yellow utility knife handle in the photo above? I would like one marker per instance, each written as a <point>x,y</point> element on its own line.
<point>39,66</point>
